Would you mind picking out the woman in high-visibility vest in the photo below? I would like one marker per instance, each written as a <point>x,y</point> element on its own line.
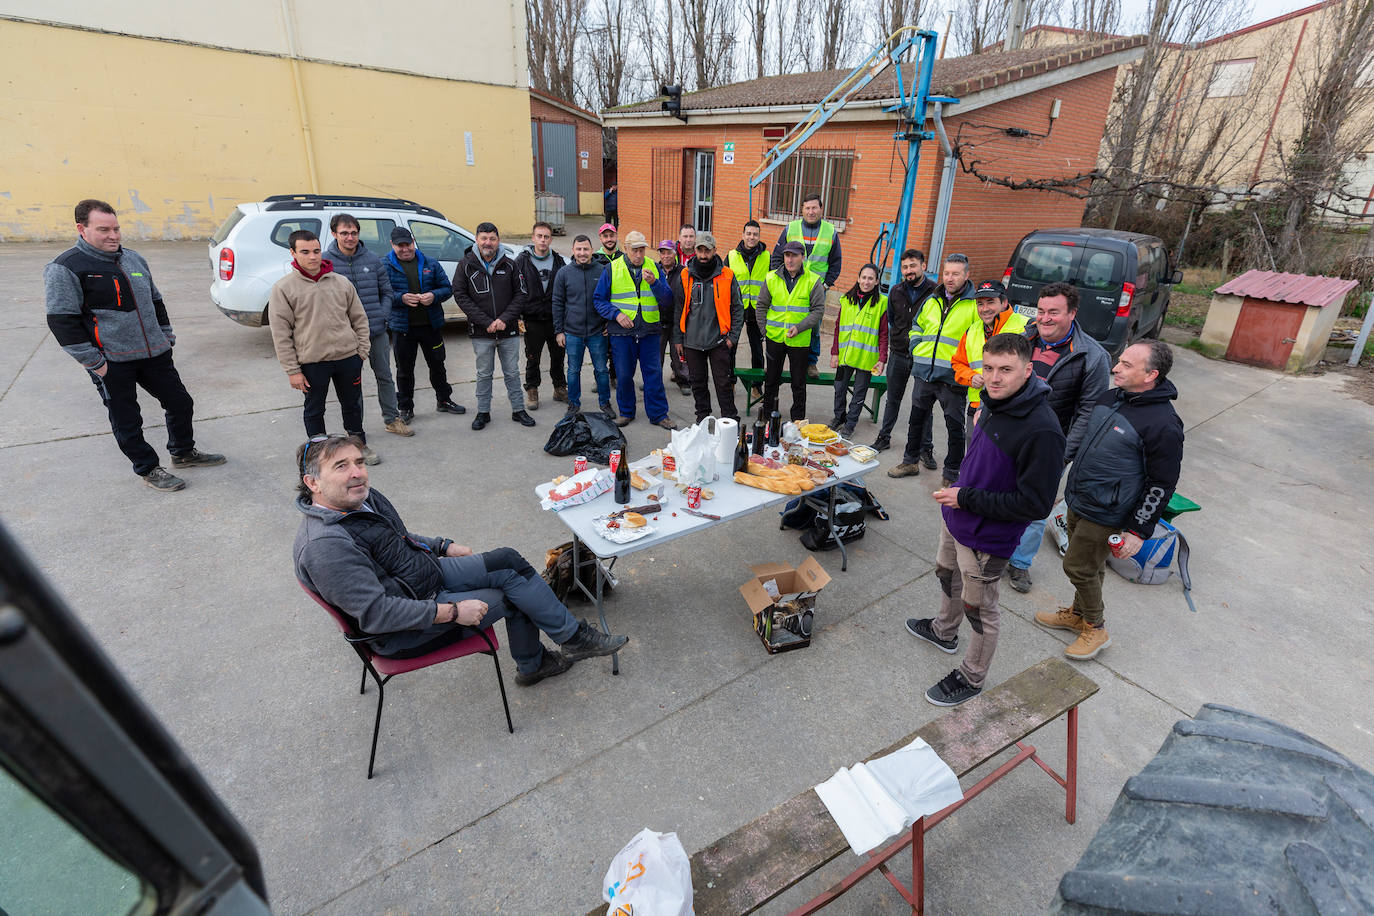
<point>859,350</point>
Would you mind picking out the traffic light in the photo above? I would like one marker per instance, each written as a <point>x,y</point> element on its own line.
<point>673,103</point>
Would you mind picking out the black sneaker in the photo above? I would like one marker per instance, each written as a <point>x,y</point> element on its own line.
<point>449,407</point>
<point>522,418</point>
<point>922,629</point>
<point>928,459</point>
<point>952,690</point>
<point>552,665</point>
<point>589,641</point>
<point>195,458</point>
<point>882,444</point>
<point>481,420</point>
<point>407,416</point>
<point>163,481</point>
<point>836,421</point>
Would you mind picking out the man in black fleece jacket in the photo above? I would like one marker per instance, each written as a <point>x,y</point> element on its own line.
<point>537,266</point>
<point>1121,480</point>
<point>411,595</point>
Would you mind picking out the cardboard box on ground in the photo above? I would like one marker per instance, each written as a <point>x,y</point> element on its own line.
<point>782,601</point>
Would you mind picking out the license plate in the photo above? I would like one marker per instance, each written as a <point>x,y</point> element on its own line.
<point>1027,310</point>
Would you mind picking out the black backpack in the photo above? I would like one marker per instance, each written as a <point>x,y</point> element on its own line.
<point>853,503</point>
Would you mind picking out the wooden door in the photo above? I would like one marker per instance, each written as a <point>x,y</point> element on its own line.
<point>1265,333</point>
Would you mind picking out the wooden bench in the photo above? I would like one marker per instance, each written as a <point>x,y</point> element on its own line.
<point>746,869</point>
<point>877,387</point>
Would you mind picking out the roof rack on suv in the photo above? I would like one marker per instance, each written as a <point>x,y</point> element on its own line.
<point>320,201</point>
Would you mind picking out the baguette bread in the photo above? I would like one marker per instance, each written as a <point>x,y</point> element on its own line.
<point>773,484</point>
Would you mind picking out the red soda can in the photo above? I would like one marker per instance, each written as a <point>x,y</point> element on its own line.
<point>579,464</point>
<point>1115,542</point>
<point>615,460</point>
<point>694,497</point>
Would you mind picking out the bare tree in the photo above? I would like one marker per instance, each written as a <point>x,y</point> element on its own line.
<point>977,24</point>
<point>553,29</point>
<point>1336,127</point>
<point>658,36</point>
<point>755,13</point>
<point>1094,17</point>
<point>887,16</point>
<point>604,49</point>
<point>1135,122</point>
<point>708,28</point>
<point>834,24</point>
<point>792,36</point>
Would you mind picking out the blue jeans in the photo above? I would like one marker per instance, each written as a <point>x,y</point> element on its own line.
<point>598,348</point>
<point>529,605</point>
<point>1030,545</point>
<point>626,350</point>
<point>814,356</point>
<point>487,350</point>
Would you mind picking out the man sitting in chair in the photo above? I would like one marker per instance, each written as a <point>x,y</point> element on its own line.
<point>411,594</point>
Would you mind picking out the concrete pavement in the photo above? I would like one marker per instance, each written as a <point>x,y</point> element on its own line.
<point>193,596</point>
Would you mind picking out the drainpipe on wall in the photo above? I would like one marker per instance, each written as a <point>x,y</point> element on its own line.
<point>942,200</point>
<point>304,119</point>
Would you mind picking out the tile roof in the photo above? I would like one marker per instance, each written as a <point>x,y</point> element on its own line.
<point>1298,289</point>
<point>957,77</point>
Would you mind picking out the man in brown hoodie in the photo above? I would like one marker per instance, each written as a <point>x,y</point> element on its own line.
<point>320,332</point>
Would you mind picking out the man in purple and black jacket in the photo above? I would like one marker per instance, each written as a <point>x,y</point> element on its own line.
<point>1007,479</point>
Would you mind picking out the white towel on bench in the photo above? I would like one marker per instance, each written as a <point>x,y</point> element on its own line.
<point>874,801</point>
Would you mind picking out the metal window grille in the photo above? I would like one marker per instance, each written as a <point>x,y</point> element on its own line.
<point>829,173</point>
<point>665,201</point>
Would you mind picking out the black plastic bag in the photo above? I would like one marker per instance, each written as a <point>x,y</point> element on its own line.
<point>594,436</point>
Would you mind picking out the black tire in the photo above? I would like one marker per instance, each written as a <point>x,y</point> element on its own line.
<point>1236,814</point>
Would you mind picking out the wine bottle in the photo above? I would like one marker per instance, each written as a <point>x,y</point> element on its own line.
<point>622,480</point>
<point>774,428</point>
<point>758,435</point>
<point>741,452</point>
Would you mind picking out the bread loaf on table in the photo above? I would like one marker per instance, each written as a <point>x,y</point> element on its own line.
<point>788,487</point>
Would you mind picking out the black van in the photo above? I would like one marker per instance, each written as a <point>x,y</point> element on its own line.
<point>1123,280</point>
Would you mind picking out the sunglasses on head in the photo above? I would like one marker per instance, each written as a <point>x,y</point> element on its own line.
<point>314,440</point>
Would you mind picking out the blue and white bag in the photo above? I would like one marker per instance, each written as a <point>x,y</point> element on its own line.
<point>1152,563</point>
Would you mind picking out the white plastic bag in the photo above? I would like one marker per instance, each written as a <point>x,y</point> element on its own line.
<point>1059,526</point>
<point>694,449</point>
<point>651,876</point>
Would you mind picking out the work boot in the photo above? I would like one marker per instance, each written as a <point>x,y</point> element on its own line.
<point>481,420</point>
<point>589,641</point>
<point>882,444</point>
<point>836,422</point>
<point>163,481</point>
<point>624,421</point>
<point>1020,578</point>
<point>756,393</point>
<point>551,665</point>
<point>370,457</point>
<point>904,470</point>
<point>524,419</point>
<point>928,459</point>
<point>532,398</point>
<point>560,394</point>
<point>608,410</point>
<point>1066,618</point>
<point>399,427</point>
<point>667,423</point>
<point>847,432</point>
<point>450,407</point>
<point>684,388</point>
<point>1091,640</point>
<point>195,458</point>
<point>813,372</point>
<point>922,629</point>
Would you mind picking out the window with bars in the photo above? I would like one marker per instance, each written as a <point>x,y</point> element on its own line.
<point>828,173</point>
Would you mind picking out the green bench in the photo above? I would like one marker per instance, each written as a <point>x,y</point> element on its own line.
<point>877,387</point>
<point>745,870</point>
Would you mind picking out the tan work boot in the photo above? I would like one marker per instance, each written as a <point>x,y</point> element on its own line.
<point>399,427</point>
<point>1091,640</point>
<point>904,470</point>
<point>1066,618</point>
<point>532,398</point>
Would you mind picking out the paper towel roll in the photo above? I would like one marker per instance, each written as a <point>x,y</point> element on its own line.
<point>727,434</point>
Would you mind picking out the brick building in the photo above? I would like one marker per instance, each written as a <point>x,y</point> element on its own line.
<point>566,141</point>
<point>673,172</point>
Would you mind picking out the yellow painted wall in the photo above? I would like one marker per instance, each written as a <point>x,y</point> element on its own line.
<point>174,135</point>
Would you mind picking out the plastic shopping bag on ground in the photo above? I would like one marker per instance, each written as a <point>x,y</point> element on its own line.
<point>651,876</point>
<point>694,450</point>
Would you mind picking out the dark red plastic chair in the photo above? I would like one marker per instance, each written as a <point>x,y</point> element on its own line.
<point>383,668</point>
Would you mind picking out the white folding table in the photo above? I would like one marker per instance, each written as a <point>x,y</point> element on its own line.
<point>732,501</point>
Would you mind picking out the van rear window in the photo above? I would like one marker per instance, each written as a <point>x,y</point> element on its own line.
<point>1047,262</point>
<point>1101,270</point>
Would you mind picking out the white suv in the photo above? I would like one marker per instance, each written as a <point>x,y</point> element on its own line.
<point>249,252</point>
